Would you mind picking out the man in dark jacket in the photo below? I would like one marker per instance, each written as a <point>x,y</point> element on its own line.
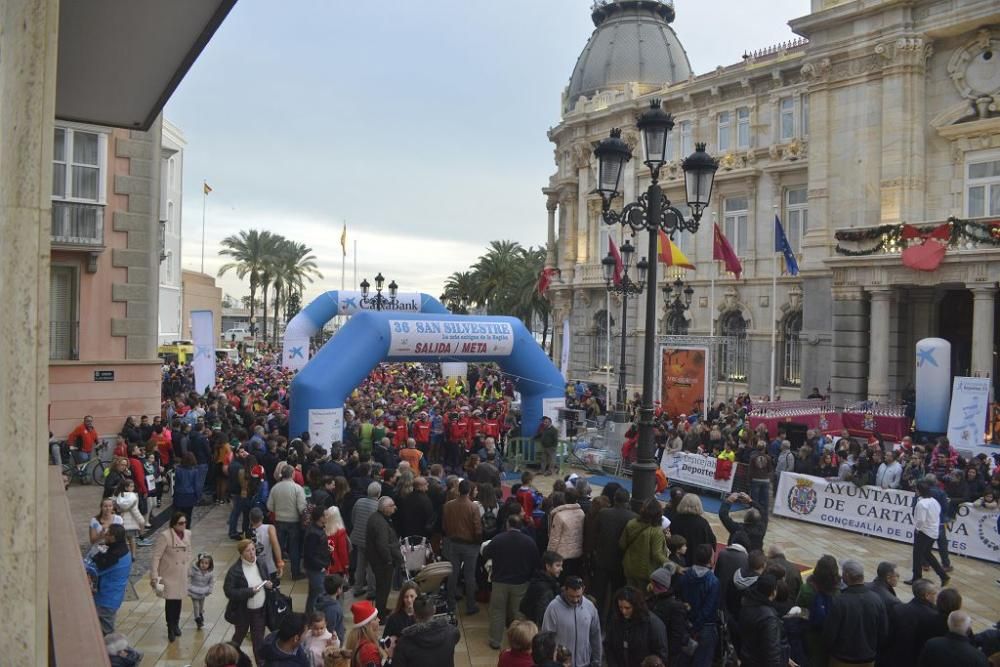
<point>283,648</point>
<point>515,559</point>
<point>542,588</point>
<point>415,515</point>
<point>382,550</point>
<point>884,584</point>
<point>763,643</point>
<point>384,454</point>
<point>907,624</point>
<point>857,624</point>
<point>954,649</point>
<point>315,555</point>
<point>699,588</point>
<point>429,641</point>
<point>742,581</point>
<point>793,577</point>
<point>752,525</point>
<point>608,573</point>
<point>731,560</point>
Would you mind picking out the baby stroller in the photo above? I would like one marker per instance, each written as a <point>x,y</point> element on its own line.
<point>421,566</point>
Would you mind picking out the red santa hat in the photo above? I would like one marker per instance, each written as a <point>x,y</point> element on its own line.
<point>364,612</point>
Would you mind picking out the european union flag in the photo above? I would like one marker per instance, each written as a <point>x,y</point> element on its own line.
<point>781,245</point>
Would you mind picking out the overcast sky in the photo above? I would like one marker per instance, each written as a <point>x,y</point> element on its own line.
<point>420,122</point>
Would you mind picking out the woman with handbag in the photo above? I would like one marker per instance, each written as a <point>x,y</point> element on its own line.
<point>168,571</point>
<point>245,587</point>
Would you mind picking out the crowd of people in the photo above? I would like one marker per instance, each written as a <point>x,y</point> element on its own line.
<point>568,578</point>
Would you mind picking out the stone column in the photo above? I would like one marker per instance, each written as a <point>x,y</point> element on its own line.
<point>28,42</point>
<point>551,204</point>
<point>849,378</point>
<point>982,328</point>
<point>878,352</point>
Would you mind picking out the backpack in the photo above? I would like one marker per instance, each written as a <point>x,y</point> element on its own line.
<point>489,523</point>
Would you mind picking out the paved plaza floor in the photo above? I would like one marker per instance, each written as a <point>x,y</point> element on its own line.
<point>141,617</point>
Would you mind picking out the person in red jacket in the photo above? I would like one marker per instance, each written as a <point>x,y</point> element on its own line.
<point>422,432</point>
<point>84,438</point>
<point>475,431</point>
<point>458,429</point>
<point>402,432</point>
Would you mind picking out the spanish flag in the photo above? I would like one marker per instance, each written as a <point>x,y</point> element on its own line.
<point>670,254</point>
<point>207,187</point>
<point>343,240</point>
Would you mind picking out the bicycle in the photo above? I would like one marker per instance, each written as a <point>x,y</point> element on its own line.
<point>97,467</point>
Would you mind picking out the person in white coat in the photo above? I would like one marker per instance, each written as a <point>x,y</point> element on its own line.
<point>127,503</point>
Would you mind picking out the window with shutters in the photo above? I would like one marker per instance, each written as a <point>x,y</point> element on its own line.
<point>79,163</point>
<point>733,366</point>
<point>787,118</point>
<point>743,127</point>
<point>982,184</point>
<point>735,223</point>
<point>796,216</point>
<point>791,350</point>
<point>725,122</point>
<point>687,138</point>
<point>63,323</point>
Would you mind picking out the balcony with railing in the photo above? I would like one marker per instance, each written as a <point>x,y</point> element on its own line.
<point>957,235</point>
<point>64,340</point>
<point>77,226</point>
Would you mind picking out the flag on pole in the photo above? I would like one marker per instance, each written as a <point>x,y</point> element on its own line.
<point>343,240</point>
<point>781,245</point>
<point>545,278</point>
<point>723,251</point>
<point>206,186</point>
<point>619,265</point>
<point>670,254</point>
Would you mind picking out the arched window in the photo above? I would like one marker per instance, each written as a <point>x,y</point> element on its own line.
<point>733,367</point>
<point>791,350</point>
<point>677,324</point>
<point>599,340</point>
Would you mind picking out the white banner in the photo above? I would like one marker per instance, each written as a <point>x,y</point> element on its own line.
<point>349,302</point>
<point>203,337</point>
<point>564,360</point>
<point>454,369</point>
<point>696,470</point>
<point>450,338</point>
<point>887,513</point>
<point>970,399</point>
<point>326,426</point>
<point>295,354</point>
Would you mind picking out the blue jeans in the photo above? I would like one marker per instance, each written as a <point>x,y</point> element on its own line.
<point>200,475</point>
<point>316,579</point>
<point>241,507</point>
<point>290,537</point>
<point>705,653</point>
<point>760,493</point>
<point>460,555</point>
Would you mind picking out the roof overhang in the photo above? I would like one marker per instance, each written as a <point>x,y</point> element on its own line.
<point>121,60</point>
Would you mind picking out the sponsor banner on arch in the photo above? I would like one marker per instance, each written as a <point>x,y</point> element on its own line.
<point>684,379</point>
<point>887,513</point>
<point>352,301</point>
<point>697,470</point>
<point>450,338</point>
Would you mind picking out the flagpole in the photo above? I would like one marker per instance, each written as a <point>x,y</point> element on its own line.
<point>607,365</point>
<point>204,201</point>
<point>774,295</point>
<point>711,298</point>
<point>355,263</point>
<point>343,258</point>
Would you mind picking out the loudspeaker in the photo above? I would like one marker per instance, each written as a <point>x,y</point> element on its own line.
<point>795,433</point>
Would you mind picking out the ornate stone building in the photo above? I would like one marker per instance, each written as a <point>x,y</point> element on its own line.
<point>883,112</point>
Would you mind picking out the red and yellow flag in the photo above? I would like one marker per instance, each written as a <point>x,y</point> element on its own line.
<point>670,254</point>
<point>207,187</point>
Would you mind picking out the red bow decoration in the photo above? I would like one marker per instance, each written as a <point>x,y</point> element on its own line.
<point>928,254</point>
<point>545,279</point>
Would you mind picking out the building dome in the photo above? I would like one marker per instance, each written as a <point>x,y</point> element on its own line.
<point>632,43</point>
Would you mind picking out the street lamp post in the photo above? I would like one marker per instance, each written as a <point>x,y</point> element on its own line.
<point>378,301</point>
<point>623,286</point>
<point>652,213</point>
<point>678,299</point>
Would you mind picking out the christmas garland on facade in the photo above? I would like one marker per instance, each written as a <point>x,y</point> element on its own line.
<point>891,236</point>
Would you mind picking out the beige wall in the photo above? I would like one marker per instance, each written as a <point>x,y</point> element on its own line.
<point>73,393</point>
<point>200,293</point>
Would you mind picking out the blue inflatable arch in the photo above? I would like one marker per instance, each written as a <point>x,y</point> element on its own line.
<point>319,390</point>
<point>310,320</point>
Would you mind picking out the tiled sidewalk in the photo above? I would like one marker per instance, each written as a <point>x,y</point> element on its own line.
<point>141,618</point>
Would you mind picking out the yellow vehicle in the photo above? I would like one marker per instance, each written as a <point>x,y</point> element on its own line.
<point>181,351</point>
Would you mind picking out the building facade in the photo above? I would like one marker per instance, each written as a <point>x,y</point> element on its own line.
<point>104,285</point>
<point>171,304</point>
<point>882,113</point>
<point>200,293</point>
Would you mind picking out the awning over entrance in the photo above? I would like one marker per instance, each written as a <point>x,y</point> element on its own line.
<point>120,60</point>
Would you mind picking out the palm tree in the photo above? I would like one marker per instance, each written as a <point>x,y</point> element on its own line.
<point>528,303</point>
<point>294,266</point>
<point>459,287</point>
<point>248,251</point>
<point>495,273</point>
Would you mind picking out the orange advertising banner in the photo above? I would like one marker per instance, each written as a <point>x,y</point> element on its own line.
<point>684,379</point>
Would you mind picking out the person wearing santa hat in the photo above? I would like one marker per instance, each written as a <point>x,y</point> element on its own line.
<point>363,639</point>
